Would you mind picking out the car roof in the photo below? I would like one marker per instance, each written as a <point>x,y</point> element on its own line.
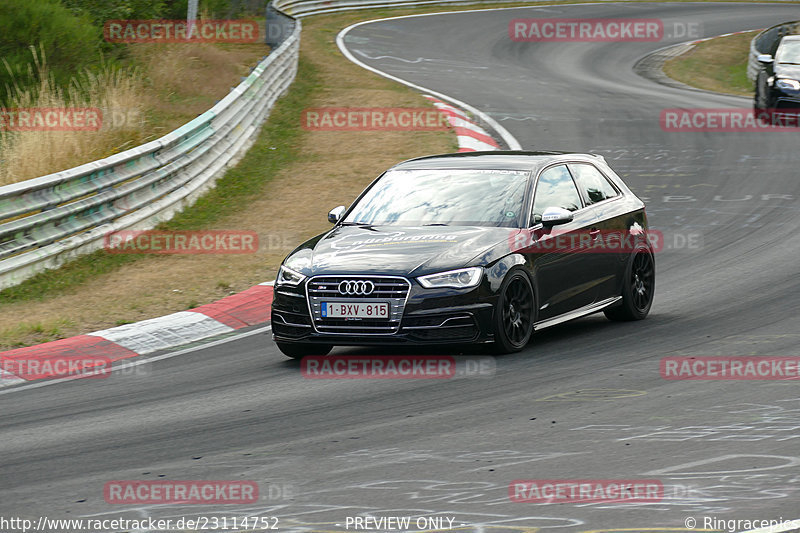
<point>505,160</point>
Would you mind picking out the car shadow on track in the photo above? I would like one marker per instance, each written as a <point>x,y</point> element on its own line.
<point>577,338</point>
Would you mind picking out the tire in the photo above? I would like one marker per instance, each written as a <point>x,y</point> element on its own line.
<point>763,102</point>
<point>515,313</point>
<point>759,102</point>
<point>638,288</point>
<point>298,351</point>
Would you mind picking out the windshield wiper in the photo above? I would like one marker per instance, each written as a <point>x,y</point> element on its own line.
<point>437,224</point>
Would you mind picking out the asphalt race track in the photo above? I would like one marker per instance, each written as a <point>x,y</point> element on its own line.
<point>584,401</point>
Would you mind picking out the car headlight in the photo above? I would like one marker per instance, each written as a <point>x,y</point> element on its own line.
<point>457,279</point>
<point>792,85</point>
<point>287,276</point>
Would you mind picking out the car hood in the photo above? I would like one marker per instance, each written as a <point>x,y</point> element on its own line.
<point>399,250</point>
<point>787,71</point>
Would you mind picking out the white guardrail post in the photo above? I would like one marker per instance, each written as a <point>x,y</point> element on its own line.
<point>47,221</point>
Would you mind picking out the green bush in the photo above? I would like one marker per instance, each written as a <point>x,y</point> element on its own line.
<point>101,11</point>
<point>218,9</point>
<point>70,42</point>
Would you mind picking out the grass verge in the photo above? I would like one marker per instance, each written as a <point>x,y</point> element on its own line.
<point>718,65</point>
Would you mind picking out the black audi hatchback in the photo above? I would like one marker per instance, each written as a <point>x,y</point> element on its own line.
<point>777,86</point>
<point>479,247</point>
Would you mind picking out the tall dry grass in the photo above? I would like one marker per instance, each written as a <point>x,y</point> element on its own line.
<point>119,93</point>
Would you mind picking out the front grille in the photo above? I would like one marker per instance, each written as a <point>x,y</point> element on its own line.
<point>391,289</point>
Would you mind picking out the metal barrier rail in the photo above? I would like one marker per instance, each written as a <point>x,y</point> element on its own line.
<point>305,8</point>
<point>766,42</point>
<point>47,221</point>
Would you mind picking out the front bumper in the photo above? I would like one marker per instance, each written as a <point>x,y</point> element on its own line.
<point>425,316</point>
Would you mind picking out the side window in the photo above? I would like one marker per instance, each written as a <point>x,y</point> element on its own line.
<point>593,185</point>
<point>555,188</point>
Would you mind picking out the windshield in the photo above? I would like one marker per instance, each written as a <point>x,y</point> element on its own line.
<point>788,52</point>
<point>443,197</point>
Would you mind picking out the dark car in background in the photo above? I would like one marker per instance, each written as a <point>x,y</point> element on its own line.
<point>778,82</point>
<point>481,247</point>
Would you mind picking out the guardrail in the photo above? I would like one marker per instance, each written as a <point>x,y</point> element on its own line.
<point>47,221</point>
<point>766,42</point>
<point>305,8</point>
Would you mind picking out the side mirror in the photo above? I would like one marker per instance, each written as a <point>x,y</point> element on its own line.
<point>764,58</point>
<point>553,216</point>
<point>335,214</point>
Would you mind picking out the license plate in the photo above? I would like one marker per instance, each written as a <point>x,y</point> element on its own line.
<point>356,310</point>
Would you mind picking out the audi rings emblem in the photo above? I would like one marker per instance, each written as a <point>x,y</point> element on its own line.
<point>356,287</point>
